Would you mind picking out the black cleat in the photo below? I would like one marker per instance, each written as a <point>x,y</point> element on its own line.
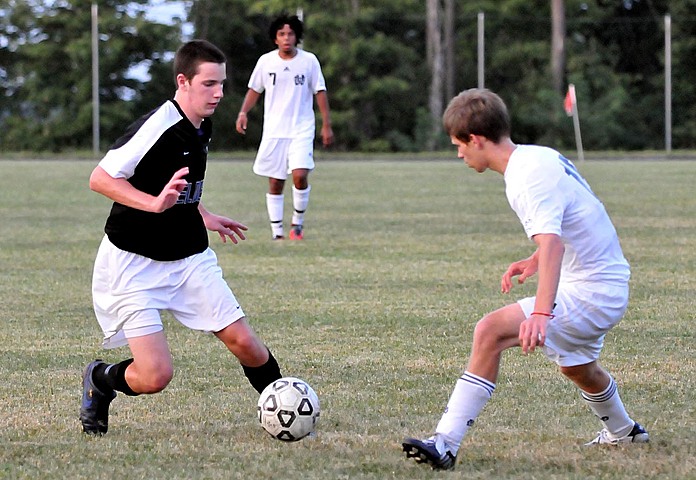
<point>426,451</point>
<point>94,410</point>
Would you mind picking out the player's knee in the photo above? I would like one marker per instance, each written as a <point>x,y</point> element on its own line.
<point>301,183</point>
<point>485,330</point>
<point>488,335</point>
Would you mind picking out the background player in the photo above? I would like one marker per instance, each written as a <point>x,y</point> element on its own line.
<point>155,254</point>
<point>582,289</point>
<point>291,78</point>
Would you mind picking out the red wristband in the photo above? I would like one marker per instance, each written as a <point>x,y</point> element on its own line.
<point>550,315</point>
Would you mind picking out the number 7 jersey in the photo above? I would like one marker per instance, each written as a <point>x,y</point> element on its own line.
<point>289,86</point>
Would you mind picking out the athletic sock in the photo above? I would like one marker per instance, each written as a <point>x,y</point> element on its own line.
<point>470,395</point>
<point>609,408</point>
<point>112,376</point>
<point>262,376</point>
<point>274,205</point>
<point>300,200</point>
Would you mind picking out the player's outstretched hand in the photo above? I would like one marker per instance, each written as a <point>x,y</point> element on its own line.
<point>226,227</point>
<point>170,193</point>
<point>524,268</point>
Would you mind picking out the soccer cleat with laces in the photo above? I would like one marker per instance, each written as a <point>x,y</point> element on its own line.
<point>432,451</point>
<point>296,232</point>
<point>637,435</point>
<point>278,237</point>
<point>94,410</point>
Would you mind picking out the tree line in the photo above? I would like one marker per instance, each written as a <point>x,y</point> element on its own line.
<point>390,67</point>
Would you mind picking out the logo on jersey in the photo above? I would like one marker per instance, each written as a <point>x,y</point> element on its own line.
<point>191,193</point>
<point>299,79</point>
<point>527,224</point>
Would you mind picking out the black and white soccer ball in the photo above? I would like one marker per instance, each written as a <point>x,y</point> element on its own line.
<point>288,409</point>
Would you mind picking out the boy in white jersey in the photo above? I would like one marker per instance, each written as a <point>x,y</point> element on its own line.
<point>290,78</point>
<point>582,290</point>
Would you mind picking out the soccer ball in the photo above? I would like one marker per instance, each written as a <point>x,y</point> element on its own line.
<point>288,409</point>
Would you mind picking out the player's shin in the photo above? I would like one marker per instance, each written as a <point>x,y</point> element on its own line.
<point>470,395</point>
<point>609,408</point>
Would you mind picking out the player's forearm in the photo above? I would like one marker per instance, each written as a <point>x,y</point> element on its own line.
<point>323,104</point>
<point>204,213</point>
<point>120,190</point>
<point>250,100</point>
<point>550,257</point>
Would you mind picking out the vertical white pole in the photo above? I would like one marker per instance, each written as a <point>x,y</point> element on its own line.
<point>481,18</point>
<point>668,83</point>
<point>576,123</point>
<point>95,80</point>
<point>300,14</point>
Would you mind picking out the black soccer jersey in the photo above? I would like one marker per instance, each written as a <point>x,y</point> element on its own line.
<point>147,155</point>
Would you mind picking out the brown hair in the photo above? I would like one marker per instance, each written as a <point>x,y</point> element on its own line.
<point>477,111</point>
<point>191,54</point>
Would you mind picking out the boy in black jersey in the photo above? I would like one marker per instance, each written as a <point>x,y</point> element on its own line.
<point>155,254</point>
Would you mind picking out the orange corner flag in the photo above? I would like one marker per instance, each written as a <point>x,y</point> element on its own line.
<point>569,101</point>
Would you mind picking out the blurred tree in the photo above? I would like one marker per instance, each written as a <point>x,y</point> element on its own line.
<point>615,59</point>
<point>374,57</point>
<point>558,34</point>
<point>369,52</point>
<point>683,73</point>
<point>51,85</point>
<point>436,63</point>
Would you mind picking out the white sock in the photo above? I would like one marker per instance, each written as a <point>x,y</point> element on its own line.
<point>470,395</point>
<point>609,408</point>
<point>274,205</point>
<point>300,200</point>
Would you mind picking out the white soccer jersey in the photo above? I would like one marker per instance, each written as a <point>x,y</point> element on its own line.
<point>290,86</point>
<point>549,196</point>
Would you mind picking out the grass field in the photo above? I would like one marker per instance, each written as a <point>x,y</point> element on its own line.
<point>375,309</point>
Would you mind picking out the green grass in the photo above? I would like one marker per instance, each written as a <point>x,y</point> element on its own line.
<point>375,309</point>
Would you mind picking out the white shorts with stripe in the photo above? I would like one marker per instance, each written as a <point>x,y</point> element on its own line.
<point>278,157</point>
<point>584,313</point>
<point>130,290</point>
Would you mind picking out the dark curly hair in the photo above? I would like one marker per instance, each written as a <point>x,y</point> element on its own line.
<point>294,22</point>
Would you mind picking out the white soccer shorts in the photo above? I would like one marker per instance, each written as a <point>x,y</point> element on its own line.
<point>278,157</point>
<point>130,290</point>
<point>584,313</point>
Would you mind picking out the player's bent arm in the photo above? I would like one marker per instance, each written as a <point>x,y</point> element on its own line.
<point>549,259</point>
<point>549,256</point>
<point>120,190</point>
